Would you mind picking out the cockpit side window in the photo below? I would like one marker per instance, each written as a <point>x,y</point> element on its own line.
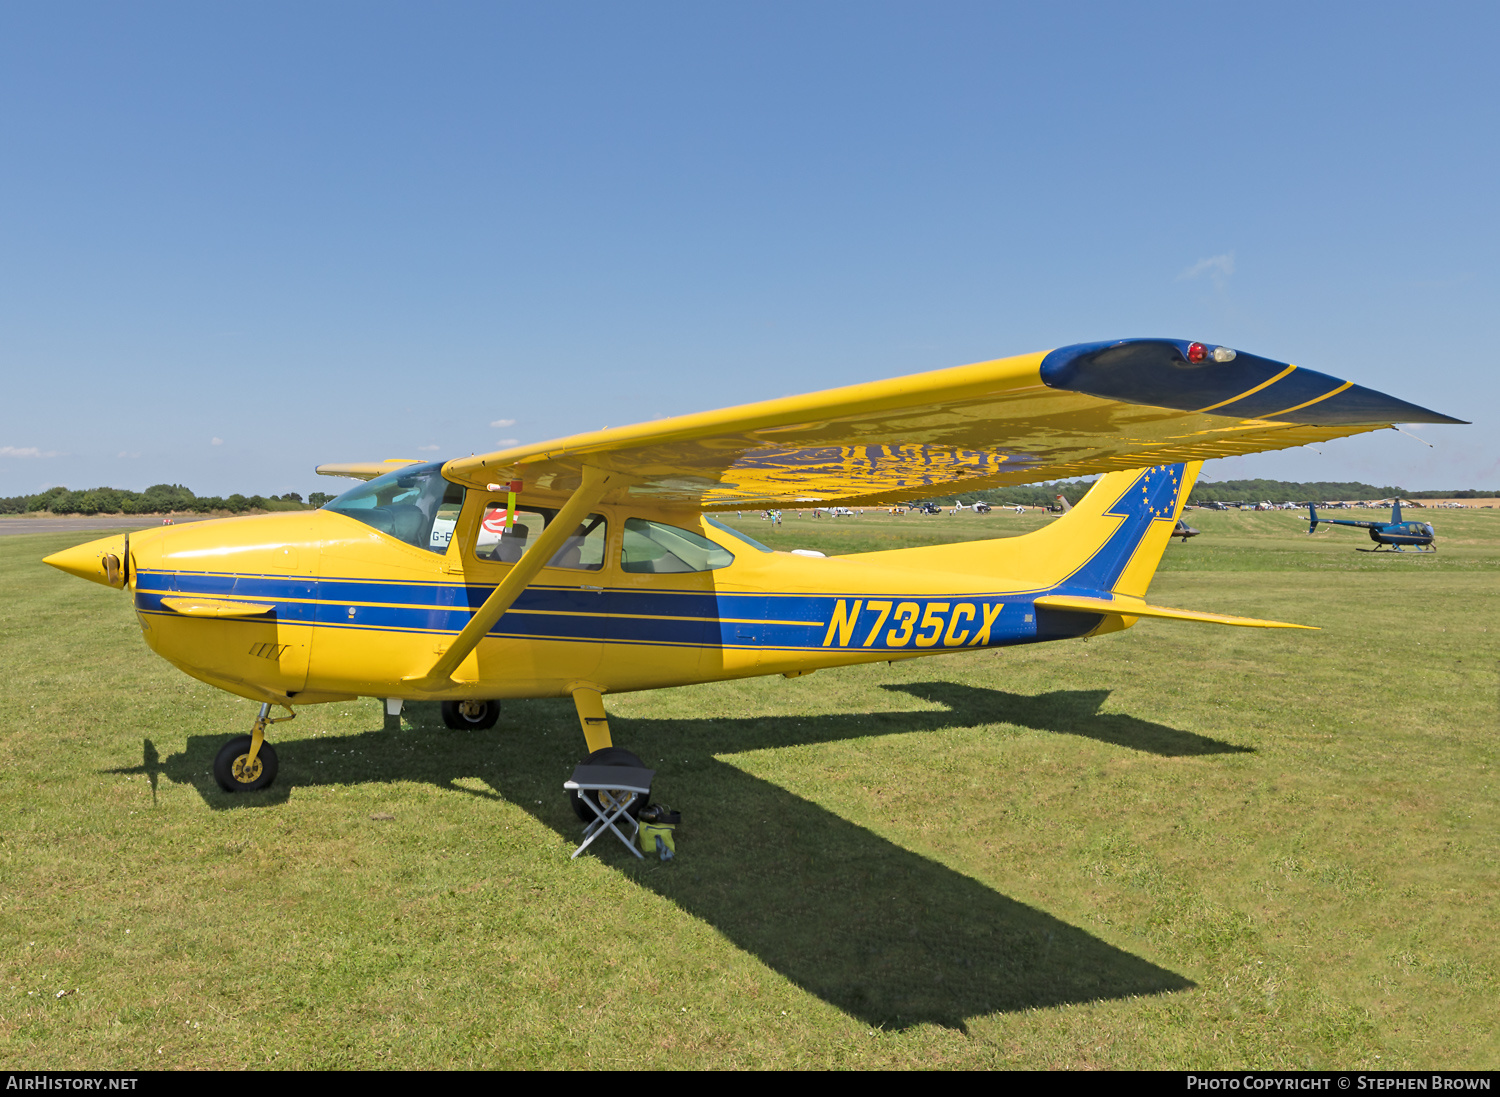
<point>582,551</point>
<point>413,504</point>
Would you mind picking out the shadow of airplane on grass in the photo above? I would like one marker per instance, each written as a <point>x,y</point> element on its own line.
<point>884,934</point>
<point>1066,712</point>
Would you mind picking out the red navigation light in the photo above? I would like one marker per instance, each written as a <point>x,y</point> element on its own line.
<point>1197,352</point>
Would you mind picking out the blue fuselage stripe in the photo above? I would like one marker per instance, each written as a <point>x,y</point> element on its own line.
<point>709,619</point>
<point>733,620</point>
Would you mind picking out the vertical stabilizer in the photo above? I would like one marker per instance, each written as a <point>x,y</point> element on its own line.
<point>1110,541</point>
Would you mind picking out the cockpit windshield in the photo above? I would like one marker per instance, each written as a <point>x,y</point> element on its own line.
<point>413,504</point>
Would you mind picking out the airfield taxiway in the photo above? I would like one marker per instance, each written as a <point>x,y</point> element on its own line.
<point>82,524</point>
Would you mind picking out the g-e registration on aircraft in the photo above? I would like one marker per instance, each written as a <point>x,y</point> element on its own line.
<point>593,564</point>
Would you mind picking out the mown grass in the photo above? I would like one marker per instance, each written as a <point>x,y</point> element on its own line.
<point>1229,540</point>
<point>1179,846</point>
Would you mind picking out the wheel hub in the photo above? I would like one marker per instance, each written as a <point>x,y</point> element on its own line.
<point>245,771</point>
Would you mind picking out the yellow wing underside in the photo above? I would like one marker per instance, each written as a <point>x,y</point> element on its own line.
<point>967,428</point>
<point>364,470</point>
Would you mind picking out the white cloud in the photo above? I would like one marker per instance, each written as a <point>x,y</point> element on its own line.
<point>426,449</point>
<point>503,423</point>
<point>1217,267</point>
<point>508,442</point>
<point>218,441</point>
<point>25,451</point>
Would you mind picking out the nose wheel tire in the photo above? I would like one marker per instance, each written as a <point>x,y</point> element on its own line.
<point>236,773</point>
<point>470,715</point>
<point>608,756</point>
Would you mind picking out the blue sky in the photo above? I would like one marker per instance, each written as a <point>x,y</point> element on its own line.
<point>240,240</point>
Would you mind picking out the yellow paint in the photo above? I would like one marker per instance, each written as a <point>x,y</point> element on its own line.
<point>1137,608</point>
<point>216,607</point>
<point>842,625</point>
<point>89,561</point>
<point>947,431</point>
<point>364,470</point>
<point>592,717</point>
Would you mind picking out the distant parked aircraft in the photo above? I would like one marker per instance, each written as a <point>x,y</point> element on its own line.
<point>1393,534</point>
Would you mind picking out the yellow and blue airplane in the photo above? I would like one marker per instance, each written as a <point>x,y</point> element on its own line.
<point>594,564</point>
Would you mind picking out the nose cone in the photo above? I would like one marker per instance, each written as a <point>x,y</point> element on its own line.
<point>102,561</point>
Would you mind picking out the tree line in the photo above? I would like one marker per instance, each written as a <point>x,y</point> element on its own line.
<point>157,499</point>
<point>1223,491</point>
<point>1282,491</point>
<point>174,498</point>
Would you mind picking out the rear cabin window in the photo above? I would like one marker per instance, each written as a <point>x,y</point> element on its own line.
<point>582,551</point>
<point>653,548</point>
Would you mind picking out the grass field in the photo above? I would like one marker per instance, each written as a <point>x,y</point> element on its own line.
<point>1178,846</point>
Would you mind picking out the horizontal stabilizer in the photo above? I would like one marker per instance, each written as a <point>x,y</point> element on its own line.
<point>1136,607</point>
<point>215,607</point>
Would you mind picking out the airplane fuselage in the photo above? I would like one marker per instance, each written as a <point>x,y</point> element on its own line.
<point>362,598</point>
<point>355,612</point>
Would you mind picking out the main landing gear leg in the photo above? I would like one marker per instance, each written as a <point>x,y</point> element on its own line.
<point>593,718</point>
<point>602,751</point>
<point>247,763</point>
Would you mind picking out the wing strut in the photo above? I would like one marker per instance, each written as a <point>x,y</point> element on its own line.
<point>595,483</point>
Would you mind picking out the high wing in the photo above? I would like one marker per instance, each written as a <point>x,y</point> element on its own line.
<point>1078,410</point>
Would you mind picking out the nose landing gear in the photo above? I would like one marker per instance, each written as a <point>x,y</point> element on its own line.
<point>247,763</point>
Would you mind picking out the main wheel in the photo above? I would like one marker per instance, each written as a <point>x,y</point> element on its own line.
<point>470,715</point>
<point>232,772</point>
<point>607,756</point>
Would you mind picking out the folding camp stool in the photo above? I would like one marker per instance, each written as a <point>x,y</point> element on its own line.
<point>610,782</point>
